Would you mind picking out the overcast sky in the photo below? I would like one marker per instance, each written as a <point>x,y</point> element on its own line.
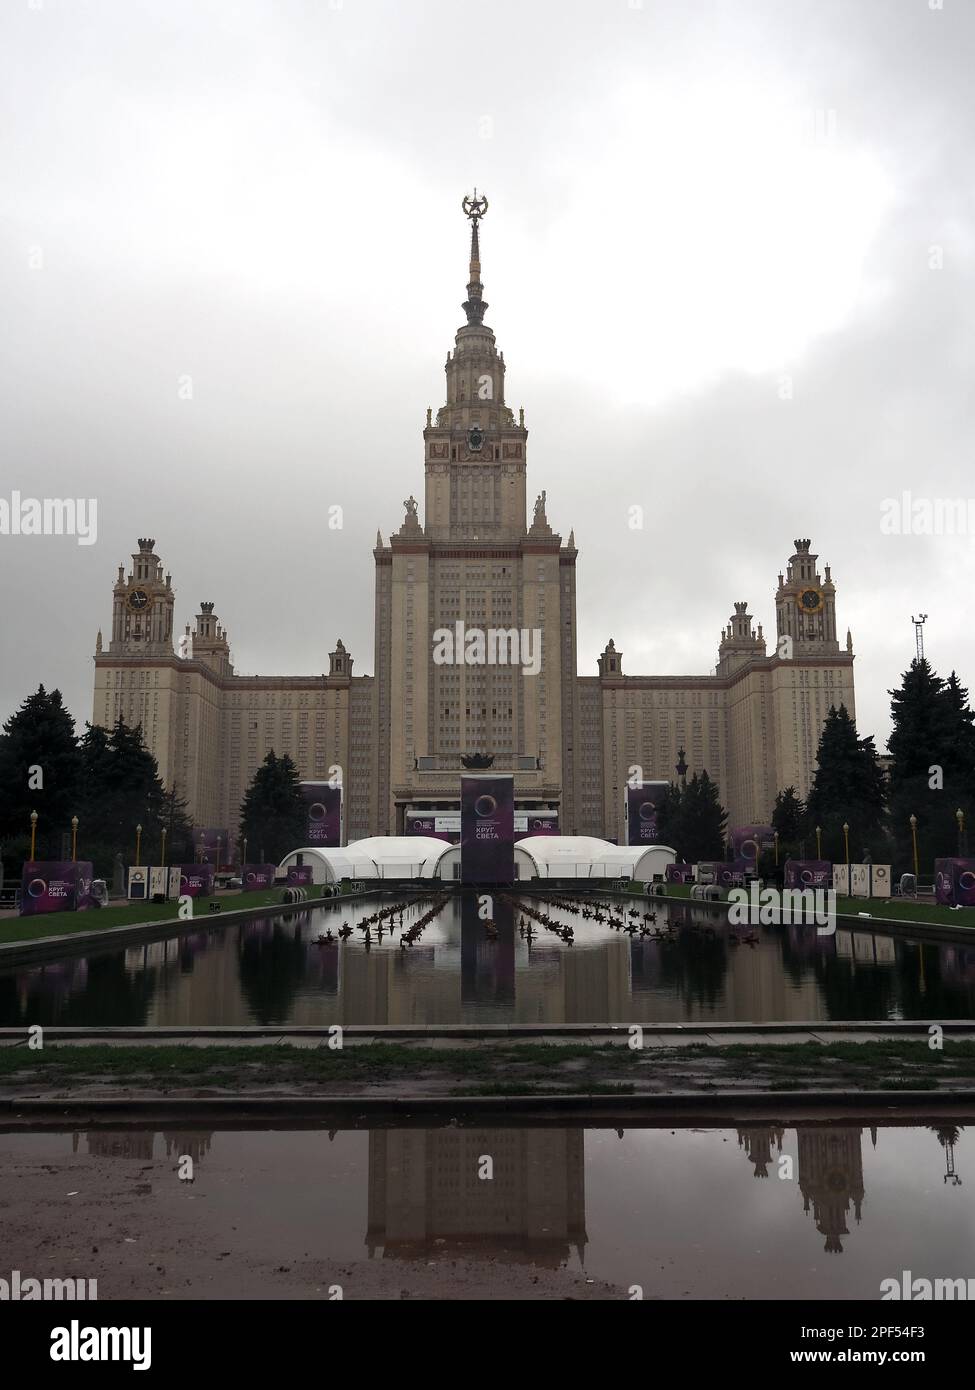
<point>708,259</point>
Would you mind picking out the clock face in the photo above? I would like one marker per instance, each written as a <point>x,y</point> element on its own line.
<point>138,600</point>
<point>810,600</point>
<point>474,439</point>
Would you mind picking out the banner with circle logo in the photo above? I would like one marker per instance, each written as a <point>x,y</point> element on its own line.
<point>487,829</point>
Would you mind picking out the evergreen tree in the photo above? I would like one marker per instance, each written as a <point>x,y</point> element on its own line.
<point>933,771</point>
<point>788,818</point>
<point>848,787</point>
<point>40,735</point>
<point>700,821</point>
<point>668,816</point>
<point>121,789</point>
<point>273,814</point>
<point>178,825</point>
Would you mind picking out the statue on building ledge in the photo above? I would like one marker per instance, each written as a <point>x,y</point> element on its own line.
<point>411,522</point>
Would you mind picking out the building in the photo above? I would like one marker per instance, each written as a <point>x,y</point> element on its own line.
<point>475,653</point>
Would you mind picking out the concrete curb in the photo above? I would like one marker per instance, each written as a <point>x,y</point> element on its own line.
<point>717,1108</point>
<point>381,1032</point>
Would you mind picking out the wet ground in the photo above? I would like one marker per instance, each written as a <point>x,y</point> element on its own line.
<point>820,1211</point>
<point>684,966</point>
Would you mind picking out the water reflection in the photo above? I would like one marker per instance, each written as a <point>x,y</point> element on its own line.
<point>272,972</point>
<point>687,1212</point>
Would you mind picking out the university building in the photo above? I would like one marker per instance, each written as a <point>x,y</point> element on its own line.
<point>480,559</point>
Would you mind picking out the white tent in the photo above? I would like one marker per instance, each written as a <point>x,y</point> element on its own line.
<point>585,856</point>
<point>381,856</point>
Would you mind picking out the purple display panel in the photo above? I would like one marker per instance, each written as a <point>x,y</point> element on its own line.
<point>679,873</point>
<point>807,873</point>
<point>733,875</point>
<point>195,880</point>
<point>540,826</point>
<point>209,841</point>
<point>420,825</point>
<point>750,841</point>
<point>257,876</point>
<point>51,885</point>
<point>300,875</point>
<point>487,829</point>
<point>642,809</point>
<point>954,882</point>
<point>324,804</point>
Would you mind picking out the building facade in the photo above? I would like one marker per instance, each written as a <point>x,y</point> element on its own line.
<point>475,654</point>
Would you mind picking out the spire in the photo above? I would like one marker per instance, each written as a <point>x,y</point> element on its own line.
<point>474,306</point>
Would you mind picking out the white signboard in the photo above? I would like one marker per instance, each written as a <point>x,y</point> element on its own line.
<point>860,880</point>
<point>841,881</point>
<point>881,881</point>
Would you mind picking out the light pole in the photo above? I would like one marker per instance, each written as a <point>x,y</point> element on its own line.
<point>162,851</point>
<point>138,845</point>
<point>846,841</point>
<point>914,841</point>
<point>819,842</point>
<point>33,834</point>
<point>960,818</point>
<point>775,837</point>
<point>74,838</point>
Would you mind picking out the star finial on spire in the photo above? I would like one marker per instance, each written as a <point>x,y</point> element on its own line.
<point>474,306</point>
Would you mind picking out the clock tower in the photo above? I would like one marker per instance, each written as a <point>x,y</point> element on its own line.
<point>805,605</point>
<point>142,607</point>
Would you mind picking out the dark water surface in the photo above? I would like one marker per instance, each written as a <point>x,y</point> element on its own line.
<point>274,972</point>
<point>819,1211</point>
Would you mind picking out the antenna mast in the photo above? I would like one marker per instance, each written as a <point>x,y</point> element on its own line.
<point>919,634</point>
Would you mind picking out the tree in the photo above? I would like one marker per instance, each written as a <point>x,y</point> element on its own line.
<point>668,816</point>
<point>848,787</point>
<point>273,814</point>
<point>700,821</point>
<point>120,790</point>
<point>40,768</point>
<point>788,819</point>
<point>932,775</point>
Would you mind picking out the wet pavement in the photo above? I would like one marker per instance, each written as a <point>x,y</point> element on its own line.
<point>819,1211</point>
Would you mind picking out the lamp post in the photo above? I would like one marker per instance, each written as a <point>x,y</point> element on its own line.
<point>913,823</point>
<point>819,842</point>
<point>33,834</point>
<point>846,841</point>
<point>775,837</point>
<point>138,845</point>
<point>960,818</point>
<point>162,851</point>
<point>74,838</point>
<point>244,859</point>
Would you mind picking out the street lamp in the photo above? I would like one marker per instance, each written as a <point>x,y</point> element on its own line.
<point>33,834</point>
<point>74,838</point>
<point>819,842</point>
<point>913,823</point>
<point>960,818</point>
<point>138,845</point>
<point>846,841</point>
<point>244,859</point>
<point>162,851</point>
<point>775,837</point>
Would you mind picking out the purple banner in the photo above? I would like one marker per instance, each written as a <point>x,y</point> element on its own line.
<point>807,873</point>
<point>642,812</point>
<point>487,829</point>
<point>954,882</point>
<point>195,880</point>
<point>733,875</point>
<point>750,841</point>
<point>300,875</point>
<point>324,804</point>
<point>256,876</point>
<point>679,873</point>
<point>49,885</point>
<point>538,825</point>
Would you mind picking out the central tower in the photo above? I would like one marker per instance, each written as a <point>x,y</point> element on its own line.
<point>475,452</point>
<point>475,562</point>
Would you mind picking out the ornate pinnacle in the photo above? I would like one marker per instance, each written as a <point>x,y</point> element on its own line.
<point>474,306</point>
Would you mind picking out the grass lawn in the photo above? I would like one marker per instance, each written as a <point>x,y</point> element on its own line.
<point>130,913</point>
<point>602,1069</point>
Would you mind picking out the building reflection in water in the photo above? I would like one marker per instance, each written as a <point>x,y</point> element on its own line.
<point>140,1143</point>
<point>829,1173</point>
<point>425,1195</point>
